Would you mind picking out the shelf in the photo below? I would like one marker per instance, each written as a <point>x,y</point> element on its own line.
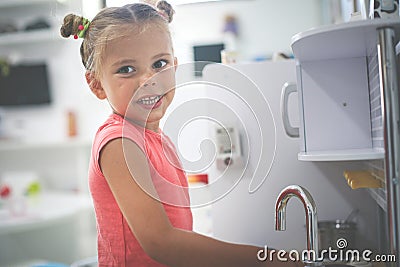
<point>29,37</point>
<point>345,40</point>
<point>43,210</point>
<point>24,3</point>
<point>15,145</point>
<point>337,67</point>
<point>342,155</point>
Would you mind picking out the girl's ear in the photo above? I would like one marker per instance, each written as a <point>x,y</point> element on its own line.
<point>95,85</point>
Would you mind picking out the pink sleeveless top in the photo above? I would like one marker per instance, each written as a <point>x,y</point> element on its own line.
<point>117,245</point>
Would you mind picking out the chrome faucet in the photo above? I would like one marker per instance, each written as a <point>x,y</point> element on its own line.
<point>311,216</point>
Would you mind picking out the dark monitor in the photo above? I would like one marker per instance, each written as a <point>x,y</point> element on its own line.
<point>25,85</point>
<point>204,54</point>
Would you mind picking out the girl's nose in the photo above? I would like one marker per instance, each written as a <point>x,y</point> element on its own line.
<point>148,80</point>
<point>148,83</point>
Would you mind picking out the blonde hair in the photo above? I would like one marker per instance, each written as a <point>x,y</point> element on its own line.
<point>112,23</point>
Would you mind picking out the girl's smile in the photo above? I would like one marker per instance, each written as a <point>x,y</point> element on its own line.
<point>150,102</point>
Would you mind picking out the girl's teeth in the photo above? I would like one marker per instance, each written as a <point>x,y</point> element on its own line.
<point>149,100</point>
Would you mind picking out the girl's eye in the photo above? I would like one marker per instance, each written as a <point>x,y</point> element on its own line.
<point>160,64</point>
<point>126,69</point>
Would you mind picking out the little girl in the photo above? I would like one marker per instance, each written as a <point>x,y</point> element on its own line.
<point>137,184</point>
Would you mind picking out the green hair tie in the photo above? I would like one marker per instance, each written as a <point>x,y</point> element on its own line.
<point>4,68</point>
<point>82,29</point>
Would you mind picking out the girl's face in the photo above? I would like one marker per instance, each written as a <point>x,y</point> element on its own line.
<point>138,76</point>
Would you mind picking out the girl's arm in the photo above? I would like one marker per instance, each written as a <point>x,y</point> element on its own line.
<point>150,224</point>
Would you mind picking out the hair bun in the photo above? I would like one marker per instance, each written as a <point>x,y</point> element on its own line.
<point>70,25</point>
<point>166,9</point>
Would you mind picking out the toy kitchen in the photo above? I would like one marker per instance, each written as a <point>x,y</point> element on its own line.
<point>331,113</point>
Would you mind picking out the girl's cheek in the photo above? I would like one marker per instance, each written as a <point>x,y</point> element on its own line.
<point>168,80</point>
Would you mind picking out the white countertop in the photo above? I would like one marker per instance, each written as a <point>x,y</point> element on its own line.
<point>42,210</point>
